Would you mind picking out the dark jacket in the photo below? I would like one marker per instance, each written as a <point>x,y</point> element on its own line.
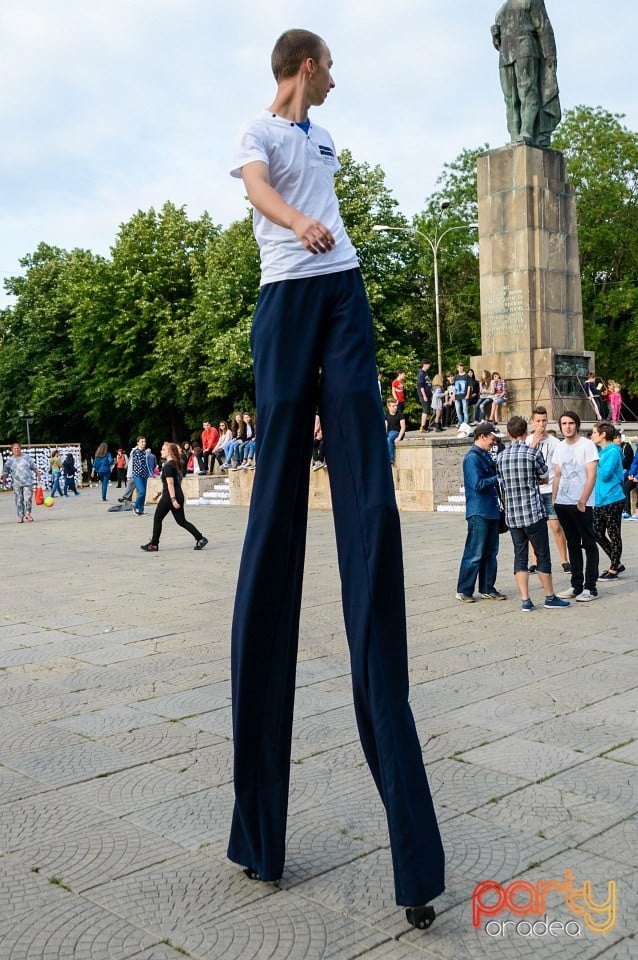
<point>481,483</point>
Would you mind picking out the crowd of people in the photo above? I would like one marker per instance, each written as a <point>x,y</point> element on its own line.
<point>580,487</point>
<point>460,399</point>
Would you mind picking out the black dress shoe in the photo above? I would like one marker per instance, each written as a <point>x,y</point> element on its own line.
<point>420,917</point>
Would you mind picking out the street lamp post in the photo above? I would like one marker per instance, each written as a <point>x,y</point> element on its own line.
<point>434,245</point>
<point>27,416</point>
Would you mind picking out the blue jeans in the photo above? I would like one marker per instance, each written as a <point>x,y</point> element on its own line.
<point>479,556</point>
<point>140,486</point>
<point>55,483</point>
<point>104,480</point>
<point>483,408</point>
<point>392,435</point>
<point>230,449</point>
<point>462,413</point>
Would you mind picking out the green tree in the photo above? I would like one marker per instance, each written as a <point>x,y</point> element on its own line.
<point>217,338</point>
<point>37,369</point>
<point>389,263</point>
<point>130,316</point>
<point>602,164</point>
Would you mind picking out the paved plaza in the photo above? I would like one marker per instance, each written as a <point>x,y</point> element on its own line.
<point>116,769</point>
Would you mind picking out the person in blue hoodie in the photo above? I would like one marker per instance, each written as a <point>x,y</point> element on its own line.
<point>102,466</point>
<point>609,498</point>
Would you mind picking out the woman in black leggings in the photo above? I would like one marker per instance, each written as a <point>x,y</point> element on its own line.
<point>172,500</point>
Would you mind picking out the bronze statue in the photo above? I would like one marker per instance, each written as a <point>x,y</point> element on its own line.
<point>524,37</point>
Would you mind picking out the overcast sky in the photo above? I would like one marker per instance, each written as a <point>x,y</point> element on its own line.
<point>110,106</point>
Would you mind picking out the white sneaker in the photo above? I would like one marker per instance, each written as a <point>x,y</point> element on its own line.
<point>586,596</point>
<point>568,594</point>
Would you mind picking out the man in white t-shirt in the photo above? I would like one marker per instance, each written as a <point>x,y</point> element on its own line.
<point>313,346</point>
<point>549,446</point>
<point>573,493</point>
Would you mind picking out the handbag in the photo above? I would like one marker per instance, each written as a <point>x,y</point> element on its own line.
<point>39,496</point>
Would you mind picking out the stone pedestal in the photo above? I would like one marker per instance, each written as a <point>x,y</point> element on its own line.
<point>531,305</point>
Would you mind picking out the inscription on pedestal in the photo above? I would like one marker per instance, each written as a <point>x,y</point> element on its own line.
<point>504,312</point>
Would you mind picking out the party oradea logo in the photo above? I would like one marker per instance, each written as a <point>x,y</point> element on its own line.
<point>525,899</point>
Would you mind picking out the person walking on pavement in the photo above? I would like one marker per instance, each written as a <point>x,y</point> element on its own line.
<point>313,346</point>
<point>22,469</point>
<point>171,500</point>
<point>482,512</point>
<point>69,471</point>
<point>102,466</point>
<point>55,466</point>
<point>140,472</point>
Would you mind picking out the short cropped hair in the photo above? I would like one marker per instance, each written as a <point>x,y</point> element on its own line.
<point>541,411</point>
<point>606,429</point>
<point>516,427</point>
<point>290,51</point>
<point>571,415</point>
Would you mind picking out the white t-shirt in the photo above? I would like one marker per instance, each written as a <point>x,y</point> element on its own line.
<point>549,448</point>
<point>572,461</point>
<point>301,169</point>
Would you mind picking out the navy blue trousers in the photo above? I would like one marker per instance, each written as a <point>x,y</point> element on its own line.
<point>312,345</point>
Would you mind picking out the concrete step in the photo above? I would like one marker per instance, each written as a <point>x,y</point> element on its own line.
<point>450,508</point>
<point>219,496</point>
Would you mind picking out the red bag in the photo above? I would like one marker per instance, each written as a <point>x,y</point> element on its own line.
<point>39,496</point>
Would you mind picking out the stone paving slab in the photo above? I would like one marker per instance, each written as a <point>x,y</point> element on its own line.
<point>108,720</point>
<point>623,950</point>
<point>20,738</point>
<point>180,895</point>
<point>553,812</point>
<point>72,929</point>
<point>105,851</point>
<point>138,788</point>
<point>209,766</point>
<point>196,820</point>
<point>24,891</point>
<point>618,843</point>
<point>459,787</point>
<point>162,951</point>
<point>523,758</point>
<point>187,703</point>
<point>162,741</point>
<point>602,779</point>
<point>41,817</point>
<point>69,764</point>
<point>528,726</point>
<point>218,722</point>
<point>300,929</point>
<point>625,754</point>
<point>591,737</point>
